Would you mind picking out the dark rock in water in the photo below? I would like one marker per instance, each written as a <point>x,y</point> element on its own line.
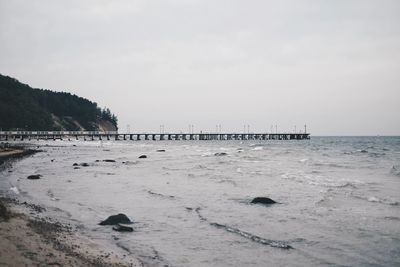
<point>160,150</point>
<point>84,164</point>
<point>97,160</point>
<point>109,160</point>
<point>116,219</point>
<point>220,154</point>
<point>76,168</point>
<point>143,157</point>
<point>52,160</point>
<point>75,164</point>
<point>364,151</point>
<point>263,200</point>
<point>34,177</point>
<point>122,228</point>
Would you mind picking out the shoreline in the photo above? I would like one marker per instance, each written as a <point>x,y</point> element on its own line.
<point>28,240</point>
<point>8,152</point>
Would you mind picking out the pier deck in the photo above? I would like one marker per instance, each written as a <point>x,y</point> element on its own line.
<point>96,135</point>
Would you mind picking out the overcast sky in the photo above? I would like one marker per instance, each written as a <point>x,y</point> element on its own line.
<point>334,65</point>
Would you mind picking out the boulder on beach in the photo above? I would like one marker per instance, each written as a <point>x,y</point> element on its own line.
<point>122,228</point>
<point>34,177</point>
<point>160,150</point>
<point>116,219</point>
<point>219,154</point>
<point>143,157</point>
<point>263,200</point>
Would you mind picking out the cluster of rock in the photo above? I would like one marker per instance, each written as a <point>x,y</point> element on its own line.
<point>117,221</point>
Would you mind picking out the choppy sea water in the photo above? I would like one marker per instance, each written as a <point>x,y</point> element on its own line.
<point>339,198</point>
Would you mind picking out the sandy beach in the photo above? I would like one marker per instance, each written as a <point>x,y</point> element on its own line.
<point>27,239</point>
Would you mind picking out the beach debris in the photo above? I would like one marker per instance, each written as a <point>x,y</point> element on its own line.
<point>122,228</point>
<point>263,200</point>
<point>160,150</point>
<point>143,157</point>
<point>109,160</point>
<point>219,154</point>
<point>116,219</point>
<point>4,214</point>
<point>34,177</point>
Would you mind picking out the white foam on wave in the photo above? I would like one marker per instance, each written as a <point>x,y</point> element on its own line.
<point>317,180</point>
<point>383,201</point>
<point>258,148</point>
<point>15,190</point>
<point>375,199</point>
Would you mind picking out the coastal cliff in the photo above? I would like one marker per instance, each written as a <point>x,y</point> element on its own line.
<point>25,108</point>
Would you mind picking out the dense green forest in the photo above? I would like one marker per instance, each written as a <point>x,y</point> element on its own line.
<point>25,108</point>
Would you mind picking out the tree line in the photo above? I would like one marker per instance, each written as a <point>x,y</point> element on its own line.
<point>26,108</point>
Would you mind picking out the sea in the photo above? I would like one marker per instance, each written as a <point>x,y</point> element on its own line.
<point>338,198</point>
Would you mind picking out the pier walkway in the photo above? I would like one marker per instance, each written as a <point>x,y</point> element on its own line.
<point>97,135</point>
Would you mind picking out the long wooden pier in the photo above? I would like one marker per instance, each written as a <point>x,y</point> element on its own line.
<point>97,135</point>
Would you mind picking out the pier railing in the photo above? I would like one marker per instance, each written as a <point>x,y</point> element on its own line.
<point>113,135</point>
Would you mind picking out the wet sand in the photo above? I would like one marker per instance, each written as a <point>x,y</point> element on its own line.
<point>28,240</point>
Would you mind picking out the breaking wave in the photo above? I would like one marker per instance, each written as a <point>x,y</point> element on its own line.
<point>247,235</point>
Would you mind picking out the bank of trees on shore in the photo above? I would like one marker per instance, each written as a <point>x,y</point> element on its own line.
<point>25,108</point>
